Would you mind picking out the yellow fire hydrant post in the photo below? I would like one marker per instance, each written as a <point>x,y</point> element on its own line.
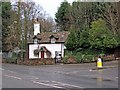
<point>99,62</point>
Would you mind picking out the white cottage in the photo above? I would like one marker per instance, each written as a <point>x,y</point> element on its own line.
<point>47,45</point>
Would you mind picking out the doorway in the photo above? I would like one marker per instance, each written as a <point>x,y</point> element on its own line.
<point>42,54</point>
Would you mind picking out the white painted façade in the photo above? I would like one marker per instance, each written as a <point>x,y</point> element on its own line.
<point>47,44</point>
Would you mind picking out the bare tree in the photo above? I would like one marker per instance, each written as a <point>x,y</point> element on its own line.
<point>27,11</point>
<point>47,24</point>
<point>111,16</point>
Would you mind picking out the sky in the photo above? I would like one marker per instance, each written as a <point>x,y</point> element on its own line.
<point>50,6</point>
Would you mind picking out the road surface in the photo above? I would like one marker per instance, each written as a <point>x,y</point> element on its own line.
<point>70,76</point>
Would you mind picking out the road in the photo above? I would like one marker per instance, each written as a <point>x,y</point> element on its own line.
<point>60,76</point>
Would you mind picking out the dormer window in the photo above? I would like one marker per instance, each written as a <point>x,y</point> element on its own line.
<point>36,40</point>
<point>53,39</point>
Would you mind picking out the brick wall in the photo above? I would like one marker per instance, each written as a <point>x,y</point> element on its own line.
<point>46,61</point>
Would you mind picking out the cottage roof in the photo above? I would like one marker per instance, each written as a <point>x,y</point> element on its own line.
<point>59,36</point>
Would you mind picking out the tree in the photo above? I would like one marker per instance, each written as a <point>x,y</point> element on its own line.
<point>25,13</point>
<point>118,25</point>
<point>77,39</point>
<point>6,14</point>
<point>62,16</point>
<point>82,14</point>
<point>1,26</point>
<point>110,13</point>
<point>46,23</point>
<point>13,38</point>
<point>91,25</point>
<point>71,42</point>
<point>100,36</point>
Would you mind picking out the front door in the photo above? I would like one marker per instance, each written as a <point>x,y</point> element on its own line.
<point>42,54</point>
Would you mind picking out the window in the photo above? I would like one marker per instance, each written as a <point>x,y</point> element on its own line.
<point>35,40</point>
<point>52,40</point>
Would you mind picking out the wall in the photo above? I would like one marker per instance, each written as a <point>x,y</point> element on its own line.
<point>51,47</point>
<point>45,61</point>
<point>36,28</point>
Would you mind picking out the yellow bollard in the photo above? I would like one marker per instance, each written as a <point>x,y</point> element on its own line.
<point>99,62</point>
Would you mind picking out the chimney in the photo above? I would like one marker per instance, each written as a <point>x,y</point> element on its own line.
<point>36,27</point>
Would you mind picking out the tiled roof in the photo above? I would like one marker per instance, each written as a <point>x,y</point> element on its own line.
<point>60,36</point>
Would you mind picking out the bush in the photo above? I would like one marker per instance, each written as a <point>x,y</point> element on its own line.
<point>87,58</point>
<point>78,57</point>
<point>65,59</point>
<point>72,60</point>
<point>67,55</point>
<point>13,59</point>
<point>69,60</point>
<point>83,56</point>
<point>102,54</point>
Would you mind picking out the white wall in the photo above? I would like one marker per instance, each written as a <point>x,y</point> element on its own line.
<point>51,47</point>
<point>36,28</point>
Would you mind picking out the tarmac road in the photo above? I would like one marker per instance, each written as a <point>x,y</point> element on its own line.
<point>70,76</point>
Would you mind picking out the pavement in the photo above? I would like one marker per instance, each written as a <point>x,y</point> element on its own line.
<point>60,76</point>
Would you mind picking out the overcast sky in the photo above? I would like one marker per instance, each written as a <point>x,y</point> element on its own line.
<point>50,6</point>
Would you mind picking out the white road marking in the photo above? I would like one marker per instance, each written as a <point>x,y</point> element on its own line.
<point>47,84</point>
<point>32,77</point>
<point>36,78</point>
<point>2,69</point>
<point>75,72</point>
<point>10,71</point>
<point>13,77</point>
<point>7,70</point>
<point>55,84</point>
<point>67,84</point>
<point>90,70</point>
